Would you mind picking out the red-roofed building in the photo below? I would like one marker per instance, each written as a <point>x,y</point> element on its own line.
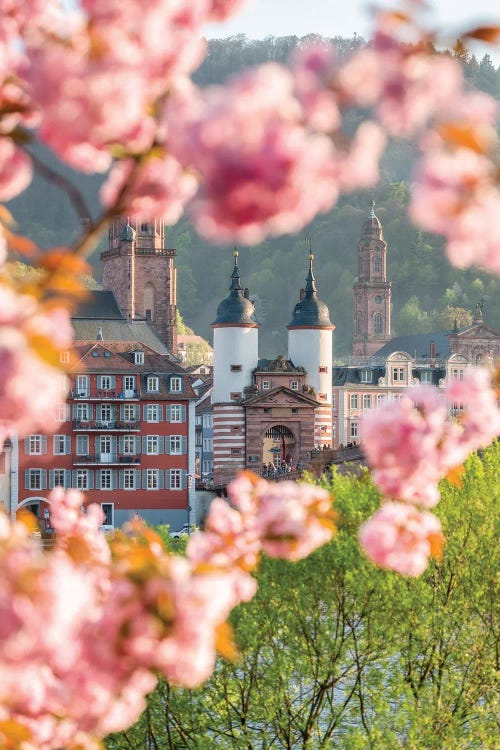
<point>126,438</point>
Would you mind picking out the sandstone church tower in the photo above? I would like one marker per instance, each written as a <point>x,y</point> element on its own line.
<point>140,270</point>
<point>372,291</point>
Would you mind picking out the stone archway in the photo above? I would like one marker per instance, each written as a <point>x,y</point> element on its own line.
<point>279,446</point>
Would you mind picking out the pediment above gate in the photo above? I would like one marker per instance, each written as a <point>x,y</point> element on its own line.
<point>280,397</point>
<point>479,331</point>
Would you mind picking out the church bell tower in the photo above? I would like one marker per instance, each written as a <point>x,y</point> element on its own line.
<point>140,271</point>
<point>372,291</point>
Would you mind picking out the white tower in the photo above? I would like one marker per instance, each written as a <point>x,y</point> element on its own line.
<point>235,357</point>
<point>310,346</point>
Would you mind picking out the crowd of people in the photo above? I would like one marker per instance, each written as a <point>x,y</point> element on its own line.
<point>270,471</point>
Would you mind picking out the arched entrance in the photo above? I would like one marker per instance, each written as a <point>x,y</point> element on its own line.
<point>278,446</point>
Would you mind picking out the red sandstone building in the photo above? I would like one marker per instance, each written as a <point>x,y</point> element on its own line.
<point>124,438</point>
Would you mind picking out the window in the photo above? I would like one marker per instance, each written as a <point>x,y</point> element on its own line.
<point>129,479</point>
<point>60,445</point>
<point>354,430</point>
<point>152,479</point>
<point>334,401</point>
<point>294,385</point>
<point>176,385</point>
<point>105,482</point>
<point>322,396</point>
<point>398,374</point>
<point>64,358</point>
<point>152,445</point>
<point>266,411</point>
<point>129,384</point>
<point>235,451</point>
<point>235,368</point>
<point>58,478</point>
<point>105,382</point>
<point>62,413</point>
<point>35,479</point>
<point>198,441</point>
<point>207,444</point>
<point>82,385</point>
<point>295,411</point>
<point>207,420</point>
<point>35,445</point>
<point>207,467</point>
<point>176,413</point>
<point>175,479</point>
<point>129,412</point>
<point>144,227</point>
<point>83,412</point>
<point>377,265</point>
<point>322,368</point>
<point>457,374</point>
<point>366,376</point>
<point>153,383</point>
<point>354,401</point>
<point>153,413</point>
<point>128,444</point>
<point>367,401</point>
<point>82,479</point>
<point>266,385</point>
<point>105,413</point>
<point>426,376</point>
<point>235,395</point>
<point>378,299</point>
<point>138,358</point>
<point>380,400</point>
<point>175,444</point>
<point>107,510</point>
<point>82,445</point>
<point>377,323</point>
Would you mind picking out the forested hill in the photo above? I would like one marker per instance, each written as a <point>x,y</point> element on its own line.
<point>426,290</point>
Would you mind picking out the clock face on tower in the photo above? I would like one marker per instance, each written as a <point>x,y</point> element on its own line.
<point>378,299</point>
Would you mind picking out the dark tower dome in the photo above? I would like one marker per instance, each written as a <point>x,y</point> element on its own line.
<point>236,309</point>
<point>310,311</point>
<point>372,228</point>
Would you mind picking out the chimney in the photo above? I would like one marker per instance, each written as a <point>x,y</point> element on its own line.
<point>432,350</point>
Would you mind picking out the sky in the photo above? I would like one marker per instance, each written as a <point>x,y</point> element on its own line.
<point>261,18</point>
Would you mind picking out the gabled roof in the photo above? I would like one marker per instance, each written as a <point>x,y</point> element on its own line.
<point>263,397</point>
<point>117,356</point>
<point>278,365</point>
<point>476,330</point>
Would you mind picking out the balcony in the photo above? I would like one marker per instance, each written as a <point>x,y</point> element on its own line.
<point>100,395</point>
<point>113,426</point>
<point>106,459</point>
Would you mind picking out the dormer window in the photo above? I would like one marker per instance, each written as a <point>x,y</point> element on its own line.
<point>266,385</point>
<point>426,376</point>
<point>398,374</point>
<point>175,385</point>
<point>366,376</point>
<point>138,358</point>
<point>294,385</point>
<point>153,383</point>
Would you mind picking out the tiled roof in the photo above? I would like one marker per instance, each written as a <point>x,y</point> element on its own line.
<point>118,330</point>
<point>99,304</point>
<point>418,345</point>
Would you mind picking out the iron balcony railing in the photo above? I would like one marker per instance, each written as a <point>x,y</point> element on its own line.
<point>99,394</point>
<point>99,426</point>
<point>106,459</point>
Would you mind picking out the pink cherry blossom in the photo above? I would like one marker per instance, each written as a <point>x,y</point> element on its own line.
<point>399,537</point>
<point>254,158</point>
<point>15,170</point>
<point>312,68</point>
<point>411,444</point>
<point>480,418</point>
<point>294,519</point>
<point>219,10</point>
<point>161,188</point>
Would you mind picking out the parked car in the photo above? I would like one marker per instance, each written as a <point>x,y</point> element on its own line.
<point>186,530</point>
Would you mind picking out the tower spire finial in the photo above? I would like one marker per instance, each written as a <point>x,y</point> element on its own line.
<point>235,276</point>
<point>372,209</point>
